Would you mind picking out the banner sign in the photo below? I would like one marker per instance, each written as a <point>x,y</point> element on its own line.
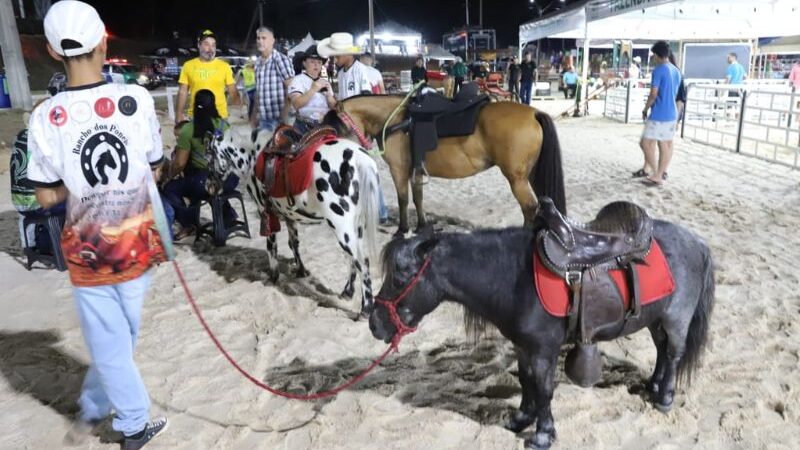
<point>608,8</point>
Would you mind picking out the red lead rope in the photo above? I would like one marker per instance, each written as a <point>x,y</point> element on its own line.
<point>318,395</point>
<point>391,306</point>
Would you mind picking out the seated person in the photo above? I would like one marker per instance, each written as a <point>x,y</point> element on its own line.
<point>189,160</point>
<point>309,94</point>
<point>23,197</point>
<point>570,83</point>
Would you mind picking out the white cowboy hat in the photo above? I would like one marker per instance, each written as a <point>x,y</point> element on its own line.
<point>338,44</point>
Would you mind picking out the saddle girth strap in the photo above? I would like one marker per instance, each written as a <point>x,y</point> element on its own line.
<point>636,301</point>
<point>575,283</point>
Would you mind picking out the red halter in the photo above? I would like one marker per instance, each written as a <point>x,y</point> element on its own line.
<point>391,306</point>
<point>362,138</point>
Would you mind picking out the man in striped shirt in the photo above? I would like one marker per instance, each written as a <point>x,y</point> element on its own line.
<point>273,71</point>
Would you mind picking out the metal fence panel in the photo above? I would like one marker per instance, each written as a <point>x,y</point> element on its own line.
<point>759,120</point>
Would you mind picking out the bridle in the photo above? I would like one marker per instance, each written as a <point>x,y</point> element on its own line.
<point>362,137</point>
<point>391,307</point>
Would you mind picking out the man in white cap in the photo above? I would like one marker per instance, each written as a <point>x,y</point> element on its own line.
<point>95,146</point>
<point>352,75</point>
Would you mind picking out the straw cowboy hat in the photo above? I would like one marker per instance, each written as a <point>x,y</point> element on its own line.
<point>338,44</point>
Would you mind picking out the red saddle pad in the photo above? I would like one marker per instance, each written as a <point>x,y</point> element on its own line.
<point>655,282</point>
<point>300,169</point>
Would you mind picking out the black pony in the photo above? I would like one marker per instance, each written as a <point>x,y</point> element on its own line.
<point>490,273</point>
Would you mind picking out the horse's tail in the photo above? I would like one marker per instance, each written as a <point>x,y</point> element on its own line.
<point>698,328</point>
<point>547,176</point>
<point>370,198</point>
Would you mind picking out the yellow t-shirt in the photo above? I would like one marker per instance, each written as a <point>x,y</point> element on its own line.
<point>213,75</point>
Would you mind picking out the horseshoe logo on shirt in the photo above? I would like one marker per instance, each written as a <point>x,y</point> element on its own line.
<point>101,156</point>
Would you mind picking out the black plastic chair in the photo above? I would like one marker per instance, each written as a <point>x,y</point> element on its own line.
<point>216,229</point>
<point>53,224</point>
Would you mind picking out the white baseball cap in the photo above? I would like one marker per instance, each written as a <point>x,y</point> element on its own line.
<point>73,28</point>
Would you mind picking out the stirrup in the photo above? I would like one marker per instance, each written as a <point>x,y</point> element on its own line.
<point>425,176</point>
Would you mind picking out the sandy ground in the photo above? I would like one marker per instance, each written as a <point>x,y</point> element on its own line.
<point>441,391</point>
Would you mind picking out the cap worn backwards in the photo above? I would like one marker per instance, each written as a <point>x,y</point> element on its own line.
<point>73,28</point>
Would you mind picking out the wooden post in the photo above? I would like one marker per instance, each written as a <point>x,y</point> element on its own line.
<point>16,72</point>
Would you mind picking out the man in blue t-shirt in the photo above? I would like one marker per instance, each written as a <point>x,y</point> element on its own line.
<point>660,114</point>
<point>735,72</point>
<point>570,79</point>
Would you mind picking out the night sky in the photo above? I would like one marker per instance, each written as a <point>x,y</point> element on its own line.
<point>230,19</point>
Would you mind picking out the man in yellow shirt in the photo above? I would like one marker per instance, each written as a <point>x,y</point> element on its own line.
<point>206,72</point>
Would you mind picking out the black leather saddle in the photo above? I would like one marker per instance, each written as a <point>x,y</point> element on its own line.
<point>583,254</point>
<point>433,116</point>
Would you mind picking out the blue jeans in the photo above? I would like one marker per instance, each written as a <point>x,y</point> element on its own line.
<point>38,236</point>
<point>525,88</point>
<point>383,211</point>
<point>193,187</point>
<point>251,102</point>
<point>169,213</point>
<point>268,124</point>
<point>109,317</point>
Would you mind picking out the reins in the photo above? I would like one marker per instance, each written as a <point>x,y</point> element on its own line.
<point>382,147</point>
<point>366,143</point>
<point>391,305</point>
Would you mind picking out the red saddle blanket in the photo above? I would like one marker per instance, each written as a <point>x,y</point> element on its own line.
<point>655,283</point>
<point>300,169</point>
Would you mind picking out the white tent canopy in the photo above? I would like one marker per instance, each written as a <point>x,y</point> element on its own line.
<point>307,41</point>
<point>436,51</point>
<point>788,45</point>
<point>669,20</point>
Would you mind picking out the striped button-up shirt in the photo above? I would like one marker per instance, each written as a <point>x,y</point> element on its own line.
<point>270,75</point>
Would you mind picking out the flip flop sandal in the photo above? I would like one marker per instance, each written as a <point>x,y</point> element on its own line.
<point>639,173</point>
<point>664,177</point>
<point>651,183</point>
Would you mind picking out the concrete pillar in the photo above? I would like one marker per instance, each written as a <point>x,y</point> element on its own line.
<point>15,69</point>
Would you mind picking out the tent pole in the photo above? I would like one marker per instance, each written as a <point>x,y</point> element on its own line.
<point>11,47</point>
<point>371,30</point>
<point>585,69</point>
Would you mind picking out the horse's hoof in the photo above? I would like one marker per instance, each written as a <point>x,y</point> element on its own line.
<point>518,422</point>
<point>424,229</point>
<point>301,272</point>
<point>540,441</point>
<point>273,276</point>
<point>664,409</point>
<point>400,233</point>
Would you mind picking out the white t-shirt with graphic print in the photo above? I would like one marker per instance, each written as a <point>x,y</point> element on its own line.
<point>353,81</point>
<point>100,141</point>
<point>375,79</point>
<point>317,107</point>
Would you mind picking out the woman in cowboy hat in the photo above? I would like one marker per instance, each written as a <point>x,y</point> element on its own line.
<point>353,76</point>
<point>311,95</point>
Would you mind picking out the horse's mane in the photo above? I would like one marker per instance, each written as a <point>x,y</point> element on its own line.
<point>475,326</point>
<point>400,96</point>
<point>388,259</point>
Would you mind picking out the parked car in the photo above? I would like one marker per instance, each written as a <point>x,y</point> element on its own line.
<point>120,71</point>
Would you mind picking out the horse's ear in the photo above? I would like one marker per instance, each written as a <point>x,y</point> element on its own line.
<point>425,247</point>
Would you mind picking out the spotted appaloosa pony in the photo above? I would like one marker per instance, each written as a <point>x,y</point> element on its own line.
<point>490,273</point>
<point>344,194</point>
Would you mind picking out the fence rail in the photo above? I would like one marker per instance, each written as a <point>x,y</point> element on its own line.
<point>758,120</point>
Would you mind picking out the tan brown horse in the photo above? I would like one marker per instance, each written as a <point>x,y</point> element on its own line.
<point>518,139</point>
